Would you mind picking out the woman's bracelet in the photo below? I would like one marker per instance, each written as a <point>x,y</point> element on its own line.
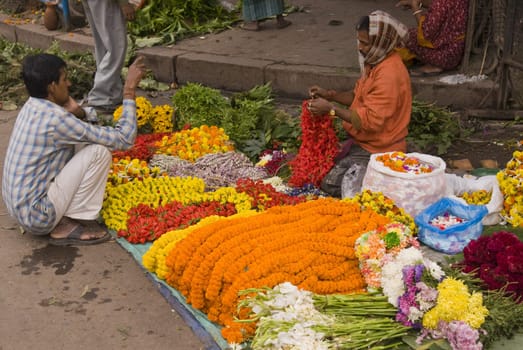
<point>417,12</point>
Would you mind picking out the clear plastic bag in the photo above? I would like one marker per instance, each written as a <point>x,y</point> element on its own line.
<point>412,192</point>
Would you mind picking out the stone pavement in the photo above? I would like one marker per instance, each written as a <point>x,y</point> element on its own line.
<point>318,48</point>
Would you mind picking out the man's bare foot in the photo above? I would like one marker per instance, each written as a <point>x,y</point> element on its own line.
<point>253,26</point>
<point>72,232</point>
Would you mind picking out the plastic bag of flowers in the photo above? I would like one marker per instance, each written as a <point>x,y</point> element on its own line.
<point>412,180</point>
<point>448,225</point>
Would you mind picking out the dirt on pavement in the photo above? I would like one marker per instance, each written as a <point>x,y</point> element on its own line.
<point>90,297</point>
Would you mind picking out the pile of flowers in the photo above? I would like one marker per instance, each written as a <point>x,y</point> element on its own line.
<point>124,170</point>
<point>379,246</point>
<point>403,163</point>
<point>442,307</point>
<point>316,252</point>
<point>511,184</point>
<point>446,220</point>
<point>143,148</point>
<point>273,160</point>
<point>291,318</point>
<point>193,143</point>
<point>498,261</point>
<point>480,197</point>
<point>157,119</point>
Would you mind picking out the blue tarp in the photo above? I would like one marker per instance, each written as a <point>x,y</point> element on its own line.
<point>208,332</point>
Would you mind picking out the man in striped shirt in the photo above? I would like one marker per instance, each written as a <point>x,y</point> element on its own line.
<point>57,163</point>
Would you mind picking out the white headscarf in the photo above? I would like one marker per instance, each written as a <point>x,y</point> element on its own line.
<point>385,34</point>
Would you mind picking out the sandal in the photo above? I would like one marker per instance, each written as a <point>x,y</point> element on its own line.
<point>75,237</point>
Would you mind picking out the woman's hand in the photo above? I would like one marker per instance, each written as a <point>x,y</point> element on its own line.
<point>316,91</point>
<point>319,106</point>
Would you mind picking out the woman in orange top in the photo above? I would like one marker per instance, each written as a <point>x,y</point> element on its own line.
<point>380,104</point>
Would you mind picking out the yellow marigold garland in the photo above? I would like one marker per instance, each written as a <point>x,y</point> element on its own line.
<point>310,245</point>
<point>157,191</point>
<point>480,197</point>
<point>154,259</point>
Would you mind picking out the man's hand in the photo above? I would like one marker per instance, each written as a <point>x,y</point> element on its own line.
<point>73,107</point>
<point>129,12</point>
<point>134,75</point>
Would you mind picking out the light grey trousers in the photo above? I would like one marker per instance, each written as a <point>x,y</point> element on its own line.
<point>109,29</point>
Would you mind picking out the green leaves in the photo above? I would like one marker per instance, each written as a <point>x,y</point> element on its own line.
<point>432,129</point>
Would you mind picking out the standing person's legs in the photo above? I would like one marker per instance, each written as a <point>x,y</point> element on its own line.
<point>109,30</point>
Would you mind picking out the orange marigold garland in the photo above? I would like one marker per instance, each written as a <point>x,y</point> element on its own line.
<point>319,147</point>
<point>310,245</point>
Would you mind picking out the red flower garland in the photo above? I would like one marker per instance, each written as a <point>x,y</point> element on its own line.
<point>319,147</point>
<point>147,224</point>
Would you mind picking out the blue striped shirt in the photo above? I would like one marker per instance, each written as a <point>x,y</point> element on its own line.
<point>42,142</point>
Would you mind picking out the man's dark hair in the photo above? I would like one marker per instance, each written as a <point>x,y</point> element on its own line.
<point>40,70</point>
<point>363,23</point>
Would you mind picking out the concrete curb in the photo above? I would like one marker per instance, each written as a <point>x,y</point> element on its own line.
<point>237,73</point>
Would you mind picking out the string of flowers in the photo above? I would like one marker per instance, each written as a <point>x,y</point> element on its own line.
<point>193,143</point>
<point>319,147</point>
<point>154,259</point>
<point>154,192</point>
<point>145,224</point>
<point>127,169</point>
<point>511,185</point>
<point>316,252</point>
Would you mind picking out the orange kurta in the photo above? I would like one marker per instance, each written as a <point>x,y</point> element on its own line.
<point>383,102</point>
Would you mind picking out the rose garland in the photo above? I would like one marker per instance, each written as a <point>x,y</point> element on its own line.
<point>316,252</point>
<point>319,147</point>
